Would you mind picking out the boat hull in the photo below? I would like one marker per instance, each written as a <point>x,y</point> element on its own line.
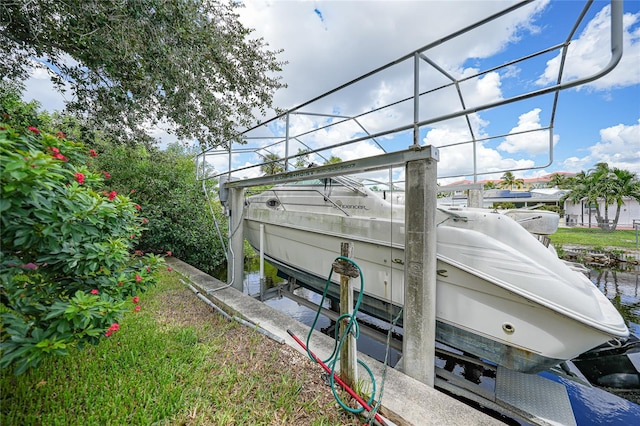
<point>491,301</point>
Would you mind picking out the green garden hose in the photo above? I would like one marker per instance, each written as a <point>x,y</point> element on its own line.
<point>338,341</point>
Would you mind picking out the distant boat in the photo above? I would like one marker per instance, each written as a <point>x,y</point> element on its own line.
<point>501,294</point>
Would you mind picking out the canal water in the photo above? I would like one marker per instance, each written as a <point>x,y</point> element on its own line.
<point>622,288</point>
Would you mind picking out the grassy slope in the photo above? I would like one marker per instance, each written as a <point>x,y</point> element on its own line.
<point>174,362</point>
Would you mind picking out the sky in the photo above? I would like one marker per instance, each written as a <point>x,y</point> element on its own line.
<point>329,43</point>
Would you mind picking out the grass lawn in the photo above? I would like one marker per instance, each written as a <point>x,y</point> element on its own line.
<point>173,363</point>
<point>593,237</point>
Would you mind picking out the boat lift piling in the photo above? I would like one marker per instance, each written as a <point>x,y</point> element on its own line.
<point>349,349</point>
<point>236,238</point>
<point>419,318</point>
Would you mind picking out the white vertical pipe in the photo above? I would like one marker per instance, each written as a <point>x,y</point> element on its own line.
<point>236,239</point>
<point>261,252</point>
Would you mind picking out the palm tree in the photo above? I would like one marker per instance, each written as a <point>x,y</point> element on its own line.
<point>558,181</point>
<point>272,165</point>
<point>302,160</point>
<point>509,181</point>
<point>608,185</point>
<point>628,185</point>
<point>490,185</point>
<point>333,160</point>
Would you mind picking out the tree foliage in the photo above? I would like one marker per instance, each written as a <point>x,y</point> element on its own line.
<point>609,185</point>
<point>333,160</point>
<point>510,181</point>
<point>133,63</point>
<point>559,181</point>
<point>272,165</point>
<point>490,185</point>
<point>173,202</point>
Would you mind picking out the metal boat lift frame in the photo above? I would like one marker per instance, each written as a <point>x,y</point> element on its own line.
<point>419,57</point>
<point>420,161</point>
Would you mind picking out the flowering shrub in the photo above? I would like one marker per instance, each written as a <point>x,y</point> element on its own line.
<point>67,271</point>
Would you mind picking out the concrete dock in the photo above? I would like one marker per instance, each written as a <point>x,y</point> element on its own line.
<point>406,401</point>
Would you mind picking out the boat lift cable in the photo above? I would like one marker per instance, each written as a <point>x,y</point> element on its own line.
<point>392,323</point>
<point>352,327</point>
<point>378,403</point>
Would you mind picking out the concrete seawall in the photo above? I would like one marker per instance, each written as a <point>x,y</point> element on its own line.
<point>405,401</point>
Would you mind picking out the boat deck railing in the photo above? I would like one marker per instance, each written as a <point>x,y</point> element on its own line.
<point>306,134</point>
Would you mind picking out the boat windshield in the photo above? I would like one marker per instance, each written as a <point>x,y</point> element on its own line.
<point>334,181</point>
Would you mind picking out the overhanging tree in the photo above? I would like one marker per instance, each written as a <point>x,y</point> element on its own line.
<point>129,64</point>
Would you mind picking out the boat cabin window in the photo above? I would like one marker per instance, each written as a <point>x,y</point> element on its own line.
<point>273,203</point>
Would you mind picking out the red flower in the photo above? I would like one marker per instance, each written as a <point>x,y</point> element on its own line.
<point>138,252</point>
<point>133,190</point>
<point>169,253</point>
<point>61,135</point>
<point>107,334</point>
<point>92,152</point>
<point>112,195</point>
<point>107,175</point>
<point>145,220</point>
<point>30,266</point>
<point>136,299</point>
<point>34,130</point>
<point>169,268</point>
<point>55,150</point>
<point>60,157</point>
<point>137,308</point>
<point>138,278</point>
<point>119,283</point>
<point>80,178</point>
<point>94,291</point>
<point>114,327</point>
<point>138,206</point>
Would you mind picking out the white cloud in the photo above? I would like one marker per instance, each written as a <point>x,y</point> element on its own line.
<point>619,146</point>
<point>534,141</point>
<point>358,36</point>
<point>457,160</point>
<point>40,88</point>
<point>590,53</point>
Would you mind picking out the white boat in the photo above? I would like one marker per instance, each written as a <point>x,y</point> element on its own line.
<point>501,294</point>
<point>538,222</point>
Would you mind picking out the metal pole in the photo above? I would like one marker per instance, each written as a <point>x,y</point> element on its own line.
<point>261,252</point>
<point>235,264</point>
<point>262,289</point>
<point>416,99</point>
<point>286,147</point>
